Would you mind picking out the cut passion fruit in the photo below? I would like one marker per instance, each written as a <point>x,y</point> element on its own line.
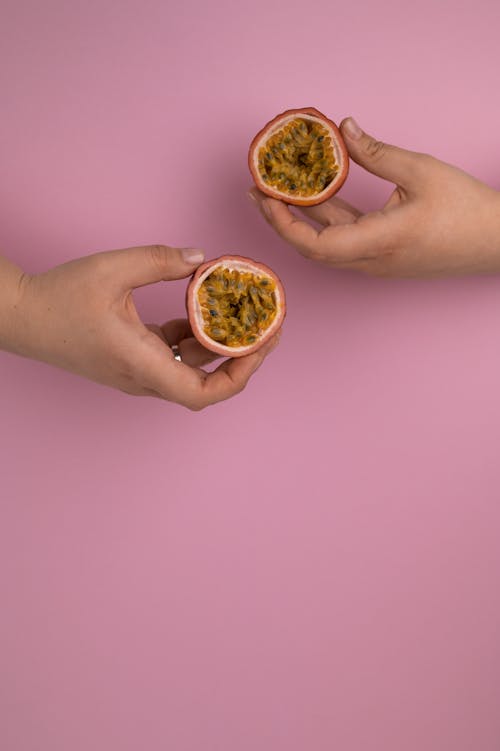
<point>235,305</point>
<point>299,157</point>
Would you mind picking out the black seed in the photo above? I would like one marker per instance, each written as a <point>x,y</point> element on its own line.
<point>320,138</point>
<point>293,186</point>
<point>218,334</point>
<point>213,313</point>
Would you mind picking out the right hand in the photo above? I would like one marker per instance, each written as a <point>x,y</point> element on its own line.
<point>438,221</point>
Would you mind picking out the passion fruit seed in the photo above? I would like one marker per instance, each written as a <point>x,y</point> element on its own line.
<point>237,306</point>
<point>298,158</point>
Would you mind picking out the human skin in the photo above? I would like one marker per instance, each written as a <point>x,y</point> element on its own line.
<point>439,221</point>
<point>81,317</point>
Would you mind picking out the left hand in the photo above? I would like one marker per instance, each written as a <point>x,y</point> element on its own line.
<point>81,317</point>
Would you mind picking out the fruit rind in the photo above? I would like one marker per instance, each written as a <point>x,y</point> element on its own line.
<point>194,311</point>
<point>340,152</point>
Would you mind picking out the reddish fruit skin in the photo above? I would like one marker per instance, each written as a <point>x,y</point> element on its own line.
<point>301,200</point>
<point>197,327</point>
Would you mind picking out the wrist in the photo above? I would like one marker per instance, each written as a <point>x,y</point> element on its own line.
<point>484,242</point>
<point>13,282</point>
<point>495,229</point>
<point>497,219</point>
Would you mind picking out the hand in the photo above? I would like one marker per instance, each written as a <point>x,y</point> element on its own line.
<point>81,317</point>
<point>438,220</point>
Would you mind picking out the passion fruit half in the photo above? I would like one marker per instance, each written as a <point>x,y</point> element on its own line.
<point>234,305</point>
<point>299,157</point>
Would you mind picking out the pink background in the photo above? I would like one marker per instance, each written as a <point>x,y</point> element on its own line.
<point>314,564</point>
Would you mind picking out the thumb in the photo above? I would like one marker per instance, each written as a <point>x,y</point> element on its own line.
<point>389,162</point>
<point>135,267</point>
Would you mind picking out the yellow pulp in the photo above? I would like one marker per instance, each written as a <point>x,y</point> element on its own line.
<point>237,306</point>
<point>298,159</point>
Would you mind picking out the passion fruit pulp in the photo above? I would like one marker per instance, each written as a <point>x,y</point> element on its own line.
<point>235,305</point>
<point>299,157</point>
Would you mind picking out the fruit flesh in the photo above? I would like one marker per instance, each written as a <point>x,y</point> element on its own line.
<point>298,159</point>
<point>237,306</point>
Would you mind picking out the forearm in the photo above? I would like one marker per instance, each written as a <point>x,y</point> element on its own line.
<point>11,284</point>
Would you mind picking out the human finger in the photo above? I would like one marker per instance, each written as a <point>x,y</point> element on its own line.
<point>177,334</point>
<point>334,211</point>
<point>334,244</point>
<point>135,267</point>
<point>196,389</point>
<point>400,166</point>
<point>195,354</point>
<point>232,376</point>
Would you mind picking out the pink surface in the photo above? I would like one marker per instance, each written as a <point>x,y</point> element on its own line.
<point>314,564</point>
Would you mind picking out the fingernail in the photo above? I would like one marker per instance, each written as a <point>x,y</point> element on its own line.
<point>274,342</point>
<point>252,197</point>
<point>266,209</point>
<point>352,129</point>
<point>192,255</point>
